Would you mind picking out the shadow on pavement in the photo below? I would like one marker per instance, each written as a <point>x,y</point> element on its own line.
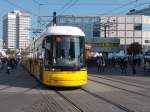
<point>19,77</point>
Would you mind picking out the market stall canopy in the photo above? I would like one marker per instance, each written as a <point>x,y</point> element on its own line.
<point>98,54</point>
<point>120,54</point>
<point>3,53</point>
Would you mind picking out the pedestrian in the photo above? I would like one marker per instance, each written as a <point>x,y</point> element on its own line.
<point>0,64</point>
<point>3,62</point>
<point>14,61</point>
<point>103,64</point>
<point>98,64</point>
<point>133,64</point>
<point>120,62</point>
<point>125,65</point>
<point>9,65</point>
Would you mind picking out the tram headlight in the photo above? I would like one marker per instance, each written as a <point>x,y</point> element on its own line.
<point>83,68</point>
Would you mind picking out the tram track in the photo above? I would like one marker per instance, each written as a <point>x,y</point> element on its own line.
<point>70,101</point>
<point>108,101</point>
<point>119,106</point>
<point>46,97</point>
<point>135,79</point>
<point>129,91</point>
<point>122,81</point>
<point>77,106</point>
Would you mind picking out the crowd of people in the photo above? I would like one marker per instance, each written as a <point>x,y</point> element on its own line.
<point>122,63</point>
<point>8,63</point>
<point>100,64</point>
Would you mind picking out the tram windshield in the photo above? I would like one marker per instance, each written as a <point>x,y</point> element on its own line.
<point>66,52</point>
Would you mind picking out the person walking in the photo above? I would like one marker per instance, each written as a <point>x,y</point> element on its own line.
<point>3,62</point>
<point>98,64</point>
<point>103,64</point>
<point>9,65</point>
<point>0,64</point>
<point>121,62</point>
<point>133,64</point>
<point>125,64</point>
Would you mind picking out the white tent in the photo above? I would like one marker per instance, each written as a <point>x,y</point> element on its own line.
<point>98,54</point>
<point>120,54</point>
<point>111,55</point>
<point>3,53</point>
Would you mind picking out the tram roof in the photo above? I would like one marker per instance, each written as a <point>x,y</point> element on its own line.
<point>63,30</point>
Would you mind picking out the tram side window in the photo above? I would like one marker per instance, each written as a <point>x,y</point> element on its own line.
<point>58,47</point>
<point>48,53</point>
<point>81,50</point>
<point>72,49</point>
<point>36,55</point>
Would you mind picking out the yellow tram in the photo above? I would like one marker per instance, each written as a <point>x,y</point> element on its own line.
<point>57,57</point>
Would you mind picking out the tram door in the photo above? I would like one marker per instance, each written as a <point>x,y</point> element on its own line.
<point>48,58</point>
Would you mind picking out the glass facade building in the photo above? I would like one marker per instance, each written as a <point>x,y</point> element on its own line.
<point>1,43</point>
<point>128,28</point>
<point>90,25</point>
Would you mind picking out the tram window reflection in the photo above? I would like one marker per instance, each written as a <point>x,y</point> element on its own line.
<point>48,52</point>
<point>64,51</point>
<point>72,49</point>
<point>68,51</point>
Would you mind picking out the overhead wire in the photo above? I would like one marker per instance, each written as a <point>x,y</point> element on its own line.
<point>112,10</point>
<point>64,6</point>
<point>139,5</point>
<point>59,10</point>
<point>71,5</point>
<point>116,9</point>
<point>36,2</point>
<point>122,6</point>
<point>17,6</point>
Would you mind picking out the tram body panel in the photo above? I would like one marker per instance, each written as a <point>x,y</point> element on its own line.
<point>65,78</point>
<point>36,70</point>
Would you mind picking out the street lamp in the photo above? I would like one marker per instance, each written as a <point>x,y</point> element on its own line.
<point>107,25</point>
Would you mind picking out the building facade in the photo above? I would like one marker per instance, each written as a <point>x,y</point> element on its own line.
<point>89,24</point>
<point>144,11</point>
<point>128,28</point>
<point>1,43</point>
<point>15,30</point>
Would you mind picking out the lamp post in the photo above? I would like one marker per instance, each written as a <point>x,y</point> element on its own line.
<point>106,27</point>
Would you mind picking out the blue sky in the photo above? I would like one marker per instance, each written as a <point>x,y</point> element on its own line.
<point>70,7</point>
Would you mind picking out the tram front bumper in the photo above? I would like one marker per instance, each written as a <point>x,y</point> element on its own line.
<point>65,78</point>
